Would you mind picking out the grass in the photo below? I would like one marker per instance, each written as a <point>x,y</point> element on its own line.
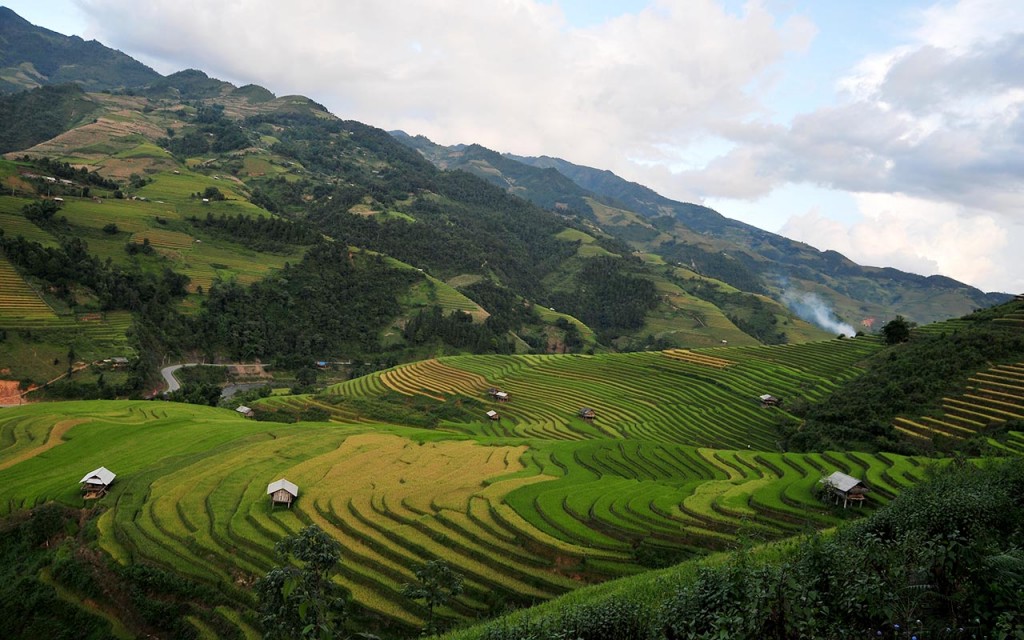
<point>529,517</point>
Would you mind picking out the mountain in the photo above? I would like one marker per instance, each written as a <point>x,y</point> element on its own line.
<point>516,255</point>
<point>32,56</point>
<point>494,373</point>
<point>737,253</point>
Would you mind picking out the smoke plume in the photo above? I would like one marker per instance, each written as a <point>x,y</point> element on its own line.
<point>810,307</point>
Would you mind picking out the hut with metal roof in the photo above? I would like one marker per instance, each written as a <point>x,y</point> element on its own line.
<point>95,483</point>
<point>282,492</point>
<point>844,487</point>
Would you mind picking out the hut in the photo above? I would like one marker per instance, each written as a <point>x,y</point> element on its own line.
<point>493,415</point>
<point>95,483</point>
<point>245,411</point>
<point>587,413</point>
<point>501,396</point>
<point>769,400</point>
<point>282,492</point>
<point>849,489</point>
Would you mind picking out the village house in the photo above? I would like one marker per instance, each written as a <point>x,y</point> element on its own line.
<point>282,492</point>
<point>841,486</point>
<point>95,483</point>
<point>493,415</point>
<point>587,413</point>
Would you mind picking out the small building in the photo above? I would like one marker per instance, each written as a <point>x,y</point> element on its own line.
<point>493,415</point>
<point>95,483</point>
<point>769,400</point>
<point>245,411</point>
<point>282,492</point>
<point>849,489</point>
<point>587,413</point>
<point>119,362</point>
<point>501,396</point>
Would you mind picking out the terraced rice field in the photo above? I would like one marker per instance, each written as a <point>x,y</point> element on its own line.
<point>164,239</point>
<point>14,224</point>
<point>527,518</point>
<point>18,301</point>
<point>699,398</point>
<point>992,397</point>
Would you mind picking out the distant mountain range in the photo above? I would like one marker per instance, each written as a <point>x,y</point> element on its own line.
<point>603,263</point>
<point>697,236</point>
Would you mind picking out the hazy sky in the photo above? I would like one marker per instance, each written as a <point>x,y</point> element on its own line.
<point>889,130</point>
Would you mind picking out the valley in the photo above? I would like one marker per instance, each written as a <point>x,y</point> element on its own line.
<point>609,413</point>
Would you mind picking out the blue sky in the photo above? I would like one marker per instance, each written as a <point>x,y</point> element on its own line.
<point>889,130</point>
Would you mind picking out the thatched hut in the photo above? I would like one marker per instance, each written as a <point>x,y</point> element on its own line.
<point>282,492</point>
<point>849,489</point>
<point>95,483</point>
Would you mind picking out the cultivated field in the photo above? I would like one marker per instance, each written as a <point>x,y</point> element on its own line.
<point>703,398</point>
<point>523,520</point>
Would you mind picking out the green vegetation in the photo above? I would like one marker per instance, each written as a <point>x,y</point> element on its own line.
<point>940,561</point>
<point>197,220</point>
<point>912,379</point>
<point>34,116</point>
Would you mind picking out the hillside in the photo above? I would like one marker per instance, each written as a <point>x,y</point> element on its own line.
<point>32,56</point>
<point>737,253</point>
<point>403,466</point>
<point>145,171</point>
<point>562,388</point>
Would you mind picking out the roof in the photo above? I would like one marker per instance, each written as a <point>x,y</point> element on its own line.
<point>283,484</point>
<point>766,397</point>
<point>842,482</point>
<point>501,394</point>
<point>99,476</point>
<point>243,409</point>
<point>492,413</point>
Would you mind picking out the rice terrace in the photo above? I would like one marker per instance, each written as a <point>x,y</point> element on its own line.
<point>266,372</point>
<point>679,462</point>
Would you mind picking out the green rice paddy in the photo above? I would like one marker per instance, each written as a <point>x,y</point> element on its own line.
<point>681,459</point>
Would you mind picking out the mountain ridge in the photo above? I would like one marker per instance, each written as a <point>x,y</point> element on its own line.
<point>710,232</point>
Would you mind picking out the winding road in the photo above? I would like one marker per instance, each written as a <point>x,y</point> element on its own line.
<point>168,374</point>
<point>228,391</point>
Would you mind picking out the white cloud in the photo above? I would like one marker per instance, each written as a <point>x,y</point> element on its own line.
<point>932,126</point>
<point>921,236</point>
<point>511,75</point>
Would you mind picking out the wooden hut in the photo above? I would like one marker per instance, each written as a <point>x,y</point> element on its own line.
<point>493,415</point>
<point>245,411</point>
<point>849,489</point>
<point>282,492</point>
<point>587,413</point>
<point>95,483</point>
<point>501,396</point>
<point>769,400</point>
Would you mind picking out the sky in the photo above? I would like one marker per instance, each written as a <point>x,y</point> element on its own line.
<point>888,130</point>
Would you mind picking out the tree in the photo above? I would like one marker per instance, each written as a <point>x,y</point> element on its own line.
<point>897,330</point>
<point>438,584</point>
<point>303,602</point>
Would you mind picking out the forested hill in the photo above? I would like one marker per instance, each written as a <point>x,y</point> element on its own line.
<point>740,254</point>
<point>507,257</point>
<point>32,56</point>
